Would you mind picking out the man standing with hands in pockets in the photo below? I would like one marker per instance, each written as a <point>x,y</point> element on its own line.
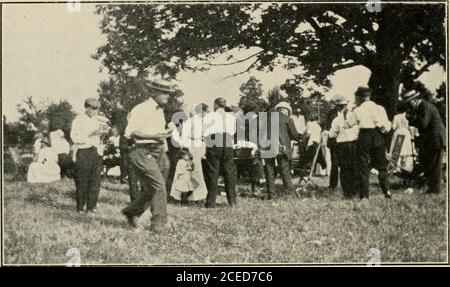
<point>147,157</point>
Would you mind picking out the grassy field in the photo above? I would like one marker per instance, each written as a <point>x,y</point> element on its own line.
<point>41,225</point>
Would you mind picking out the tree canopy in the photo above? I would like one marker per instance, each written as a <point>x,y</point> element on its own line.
<point>397,44</point>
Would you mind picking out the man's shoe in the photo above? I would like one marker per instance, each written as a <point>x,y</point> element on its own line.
<point>388,195</point>
<point>131,220</point>
<point>157,228</point>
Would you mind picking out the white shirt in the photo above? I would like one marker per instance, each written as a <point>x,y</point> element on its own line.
<point>146,117</point>
<point>82,128</point>
<point>299,122</point>
<point>115,140</point>
<point>314,130</point>
<point>219,122</point>
<point>339,131</point>
<point>370,115</point>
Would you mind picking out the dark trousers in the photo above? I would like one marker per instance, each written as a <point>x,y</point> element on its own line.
<point>88,169</point>
<point>257,170</point>
<point>133,179</point>
<point>144,162</point>
<point>371,154</point>
<point>219,160</point>
<point>285,173</point>
<point>348,165</point>
<point>433,169</point>
<point>123,164</point>
<point>334,172</point>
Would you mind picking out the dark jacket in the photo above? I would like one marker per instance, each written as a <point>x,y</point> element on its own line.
<point>331,115</point>
<point>286,133</point>
<point>427,120</point>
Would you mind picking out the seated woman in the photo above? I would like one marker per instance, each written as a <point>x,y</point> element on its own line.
<point>45,168</point>
<point>402,152</point>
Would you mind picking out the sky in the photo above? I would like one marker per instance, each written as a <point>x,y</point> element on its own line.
<point>46,54</point>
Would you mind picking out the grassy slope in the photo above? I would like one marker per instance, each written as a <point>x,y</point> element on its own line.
<point>40,225</point>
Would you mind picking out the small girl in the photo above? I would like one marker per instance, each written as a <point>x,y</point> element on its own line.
<point>184,184</point>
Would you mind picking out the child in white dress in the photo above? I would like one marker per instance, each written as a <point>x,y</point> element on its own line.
<point>184,182</point>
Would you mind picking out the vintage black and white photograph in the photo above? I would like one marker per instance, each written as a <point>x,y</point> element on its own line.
<point>224,133</point>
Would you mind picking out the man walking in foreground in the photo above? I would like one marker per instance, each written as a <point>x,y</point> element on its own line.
<point>146,126</point>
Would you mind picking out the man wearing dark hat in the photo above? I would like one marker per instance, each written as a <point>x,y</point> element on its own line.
<point>147,156</point>
<point>85,133</point>
<point>425,117</point>
<point>220,128</point>
<point>373,124</point>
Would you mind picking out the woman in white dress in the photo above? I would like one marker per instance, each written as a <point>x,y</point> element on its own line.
<point>45,169</point>
<point>192,138</point>
<point>405,160</point>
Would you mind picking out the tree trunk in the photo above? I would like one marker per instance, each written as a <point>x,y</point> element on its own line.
<point>385,82</point>
<point>386,64</point>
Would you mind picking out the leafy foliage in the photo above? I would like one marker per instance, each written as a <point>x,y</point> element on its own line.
<point>119,95</point>
<point>60,116</point>
<point>251,95</point>
<point>38,118</point>
<point>397,44</point>
<point>440,101</point>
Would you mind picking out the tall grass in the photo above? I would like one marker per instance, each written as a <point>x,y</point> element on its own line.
<point>41,225</point>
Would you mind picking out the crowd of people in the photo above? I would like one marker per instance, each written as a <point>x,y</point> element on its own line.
<point>356,136</point>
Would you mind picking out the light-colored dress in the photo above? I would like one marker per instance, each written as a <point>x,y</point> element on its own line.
<point>183,180</point>
<point>401,127</point>
<point>191,138</point>
<point>46,168</point>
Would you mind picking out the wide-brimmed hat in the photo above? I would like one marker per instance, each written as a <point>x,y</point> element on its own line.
<point>408,96</point>
<point>161,85</point>
<point>284,105</point>
<point>362,91</point>
<point>339,100</point>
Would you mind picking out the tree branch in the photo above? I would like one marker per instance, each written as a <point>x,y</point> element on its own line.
<point>344,66</point>
<point>240,73</point>
<point>238,61</point>
<point>314,23</point>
